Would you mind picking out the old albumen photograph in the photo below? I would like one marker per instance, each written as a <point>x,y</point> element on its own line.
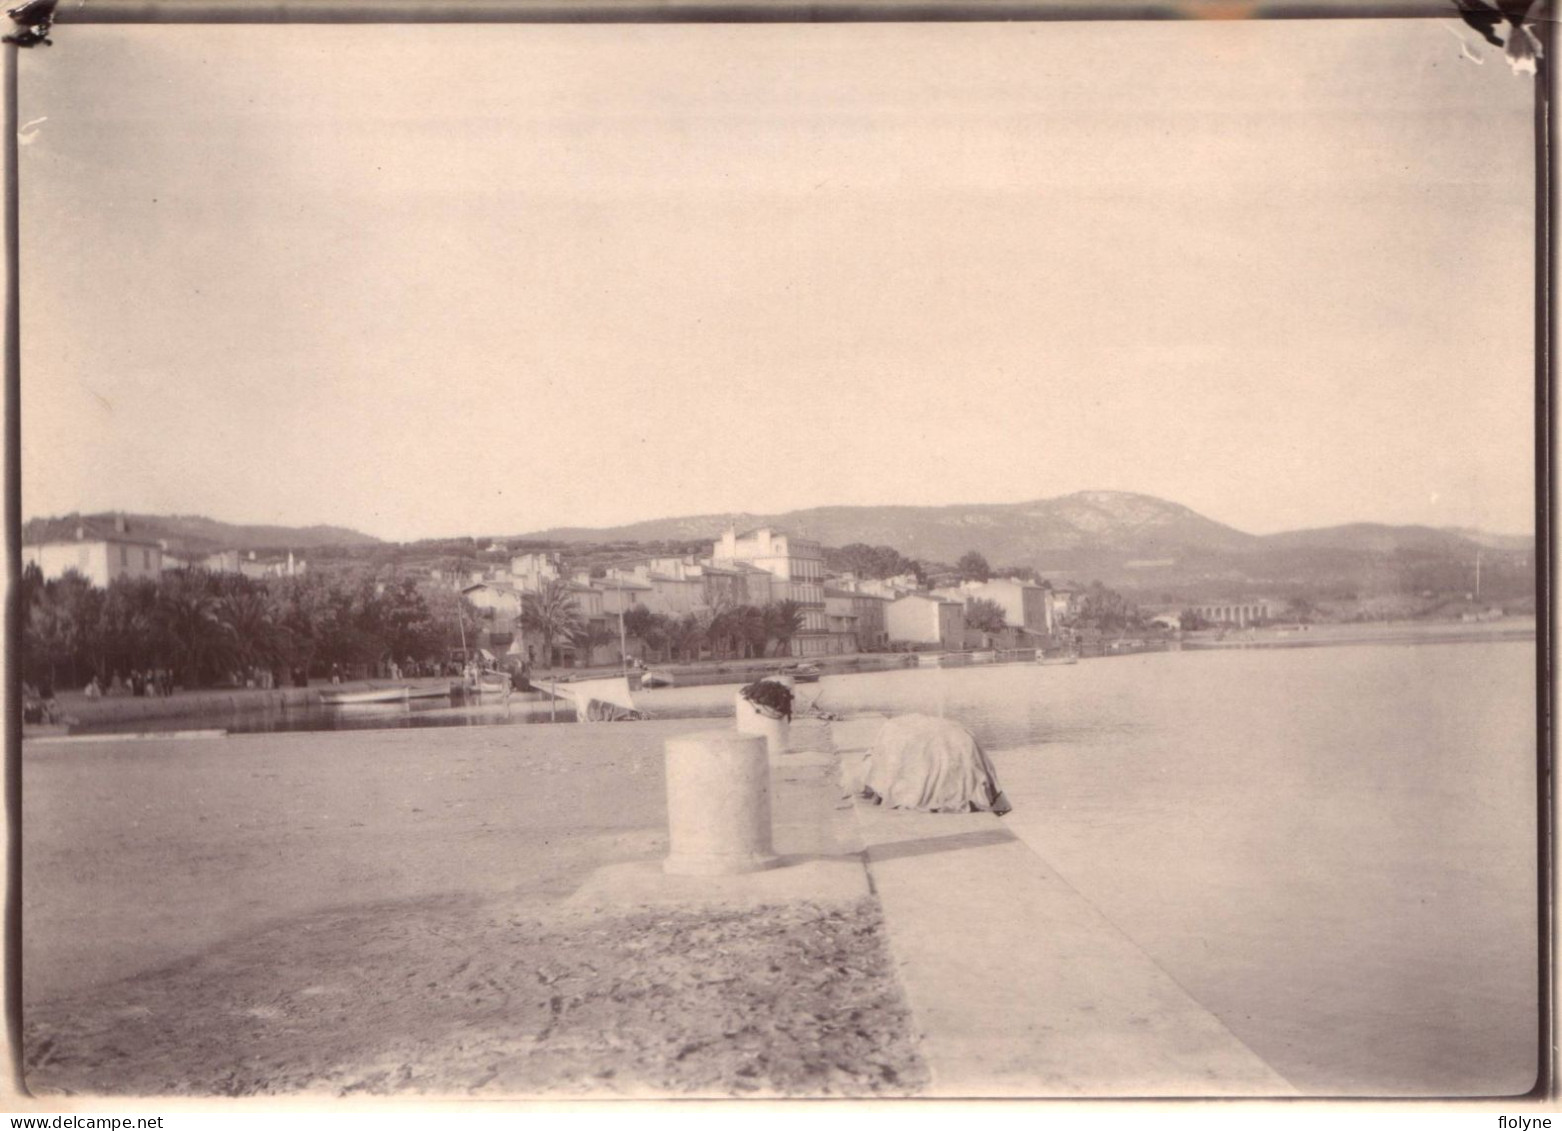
<point>774,560</point>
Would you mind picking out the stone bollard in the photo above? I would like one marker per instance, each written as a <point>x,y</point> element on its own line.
<point>718,804</point>
<point>751,720</point>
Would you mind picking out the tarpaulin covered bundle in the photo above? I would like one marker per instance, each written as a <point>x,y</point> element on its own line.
<point>936,765</point>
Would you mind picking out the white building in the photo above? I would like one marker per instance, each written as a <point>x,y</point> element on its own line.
<point>100,557</point>
<point>887,588</point>
<point>531,571</point>
<point>252,565</point>
<point>923,619</point>
<point>798,563</point>
<point>841,615</point>
<point>1024,605</point>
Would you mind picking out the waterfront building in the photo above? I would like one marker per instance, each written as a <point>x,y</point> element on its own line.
<point>498,626</point>
<point>673,594</point>
<point>603,625</point>
<point>868,609</point>
<point>620,593</point>
<point>101,557</point>
<point>1025,606</point>
<point>841,618</point>
<point>926,620</point>
<point>676,587</point>
<point>796,567</point>
<point>756,586</point>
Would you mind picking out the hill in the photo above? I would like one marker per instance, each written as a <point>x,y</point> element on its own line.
<point>1057,531</point>
<point>1137,543</point>
<point>1148,547</point>
<point>193,533</point>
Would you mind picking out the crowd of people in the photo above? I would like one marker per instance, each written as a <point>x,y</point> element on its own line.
<point>39,704</point>
<point>151,683</point>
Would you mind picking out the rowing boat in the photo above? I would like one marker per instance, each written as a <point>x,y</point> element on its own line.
<point>369,695</point>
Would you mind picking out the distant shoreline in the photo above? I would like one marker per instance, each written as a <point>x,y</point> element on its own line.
<point>205,704</point>
<point>1384,632</point>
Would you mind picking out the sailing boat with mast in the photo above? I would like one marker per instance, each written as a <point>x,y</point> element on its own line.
<point>474,680</point>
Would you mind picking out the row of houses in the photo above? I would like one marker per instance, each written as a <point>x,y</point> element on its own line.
<point>840,615</point>
<point>104,556</point>
<point>759,567</point>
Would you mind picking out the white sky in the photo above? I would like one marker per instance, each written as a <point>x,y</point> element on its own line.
<point>450,280</point>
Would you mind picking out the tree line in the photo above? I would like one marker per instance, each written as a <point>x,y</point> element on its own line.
<point>729,631</point>
<point>208,627</point>
<point>725,630</point>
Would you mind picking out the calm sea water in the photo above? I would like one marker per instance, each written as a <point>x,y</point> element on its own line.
<point>1334,850</point>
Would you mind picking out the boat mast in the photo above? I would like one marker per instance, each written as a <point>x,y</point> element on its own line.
<point>623,636</point>
<point>1477,575</point>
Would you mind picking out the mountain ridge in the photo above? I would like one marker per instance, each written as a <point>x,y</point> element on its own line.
<point>195,533</point>
<point>1135,542</point>
<point>1131,540</point>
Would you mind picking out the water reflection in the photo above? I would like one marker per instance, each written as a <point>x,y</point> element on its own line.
<point>1004,705</point>
<point>1096,701</point>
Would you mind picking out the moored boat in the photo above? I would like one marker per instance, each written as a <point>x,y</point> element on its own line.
<point>657,679</point>
<point>802,673</point>
<point>366,695</point>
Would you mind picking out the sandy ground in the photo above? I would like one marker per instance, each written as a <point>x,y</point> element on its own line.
<point>380,912</point>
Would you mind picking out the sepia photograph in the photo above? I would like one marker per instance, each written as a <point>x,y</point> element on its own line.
<point>593,553</point>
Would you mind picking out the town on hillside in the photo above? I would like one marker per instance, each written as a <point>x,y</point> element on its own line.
<point>107,601</point>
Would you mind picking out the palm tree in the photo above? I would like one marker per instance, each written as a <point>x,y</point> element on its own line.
<point>247,618</point>
<point>783,620</point>
<point>187,619</point>
<point>715,624</point>
<point>61,624</point>
<point>553,613</point>
<point>685,635</point>
<point>749,628</point>
<point>588,638</point>
<point>647,627</point>
<point>128,626</point>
